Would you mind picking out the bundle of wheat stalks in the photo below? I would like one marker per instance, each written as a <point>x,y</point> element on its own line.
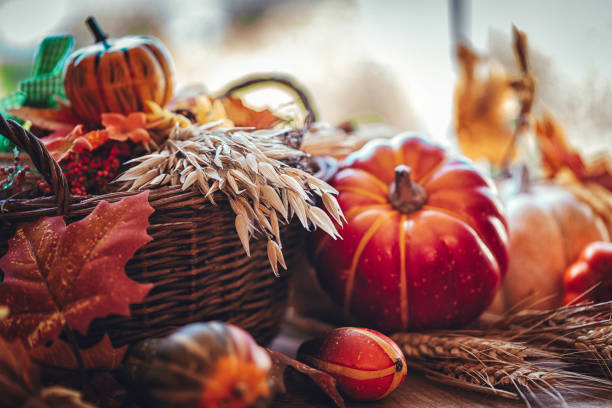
<point>531,355</point>
<point>247,167</point>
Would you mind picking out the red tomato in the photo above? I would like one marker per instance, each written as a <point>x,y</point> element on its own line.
<point>426,241</point>
<point>590,277</point>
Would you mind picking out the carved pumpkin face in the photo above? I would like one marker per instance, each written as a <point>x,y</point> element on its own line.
<point>425,245</point>
<point>118,75</point>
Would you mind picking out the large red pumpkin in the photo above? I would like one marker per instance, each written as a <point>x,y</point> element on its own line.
<point>118,75</point>
<point>426,241</point>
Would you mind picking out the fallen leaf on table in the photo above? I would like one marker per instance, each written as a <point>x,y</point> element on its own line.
<point>61,354</point>
<point>57,276</point>
<point>324,381</point>
<point>243,116</point>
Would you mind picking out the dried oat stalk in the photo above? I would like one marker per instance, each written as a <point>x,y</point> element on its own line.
<point>247,168</point>
<point>581,334</point>
<point>532,355</point>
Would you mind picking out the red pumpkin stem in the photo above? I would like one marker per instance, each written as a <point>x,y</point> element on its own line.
<point>97,31</point>
<point>405,195</point>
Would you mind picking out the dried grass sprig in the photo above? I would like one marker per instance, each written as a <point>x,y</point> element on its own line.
<point>580,333</point>
<point>527,355</point>
<point>247,167</point>
<point>531,382</point>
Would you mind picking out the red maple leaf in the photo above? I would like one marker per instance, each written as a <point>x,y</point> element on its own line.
<point>61,354</point>
<point>56,275</point>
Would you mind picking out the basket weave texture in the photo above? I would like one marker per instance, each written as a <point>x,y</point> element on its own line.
<point>195,259</point>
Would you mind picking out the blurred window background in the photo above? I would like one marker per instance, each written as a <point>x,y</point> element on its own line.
<point>381,60</point>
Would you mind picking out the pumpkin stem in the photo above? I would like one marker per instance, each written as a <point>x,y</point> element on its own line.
<point>406,196</point>
<point>95,29</point>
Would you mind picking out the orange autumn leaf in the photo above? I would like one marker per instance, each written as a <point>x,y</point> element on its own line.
<point>61,143</point>
<point>589,180</point>
<point>19,376</point>
<point>557,154</point>
<point>554,149</point>
<point>61,354</point>
<point>485,124</point>
<point>123,128</point>
<point>481,122</point>
<point>243,116</point>
<point>50,119</point>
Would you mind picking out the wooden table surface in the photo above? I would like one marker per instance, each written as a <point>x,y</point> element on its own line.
<point>416,391</point>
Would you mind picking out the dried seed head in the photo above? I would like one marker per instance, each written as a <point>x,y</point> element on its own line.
<point>246,168</point>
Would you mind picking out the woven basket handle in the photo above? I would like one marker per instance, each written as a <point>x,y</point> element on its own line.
<point>287,82</point>
<point>42,160</point>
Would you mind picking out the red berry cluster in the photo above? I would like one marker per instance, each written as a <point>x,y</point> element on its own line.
<point>14,175</point>
<point>89,171</point>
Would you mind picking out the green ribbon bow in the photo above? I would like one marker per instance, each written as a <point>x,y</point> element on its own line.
<point>46,82</point>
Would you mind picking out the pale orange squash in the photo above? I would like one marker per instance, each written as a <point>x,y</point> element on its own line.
<point>117,75</point>
<point>548,228</point>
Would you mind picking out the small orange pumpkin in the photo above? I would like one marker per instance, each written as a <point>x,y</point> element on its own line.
<point>117,75</point>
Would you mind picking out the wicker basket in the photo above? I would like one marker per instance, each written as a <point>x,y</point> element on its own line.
<point>195,259</point>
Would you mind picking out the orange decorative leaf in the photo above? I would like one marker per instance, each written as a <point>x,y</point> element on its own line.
<point>483,126</point>
<point>57,276</point>
<point>123,128</point>
<point>61,143</point>
<point>19,377</point>
<point>61,354</point>
<point>557,154</point>
<point>20,384</point>
<point>51,119</point>
<point>589,181</point>
<point>243,116</point>
<point>554,150</point>
<point>486,125</point>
